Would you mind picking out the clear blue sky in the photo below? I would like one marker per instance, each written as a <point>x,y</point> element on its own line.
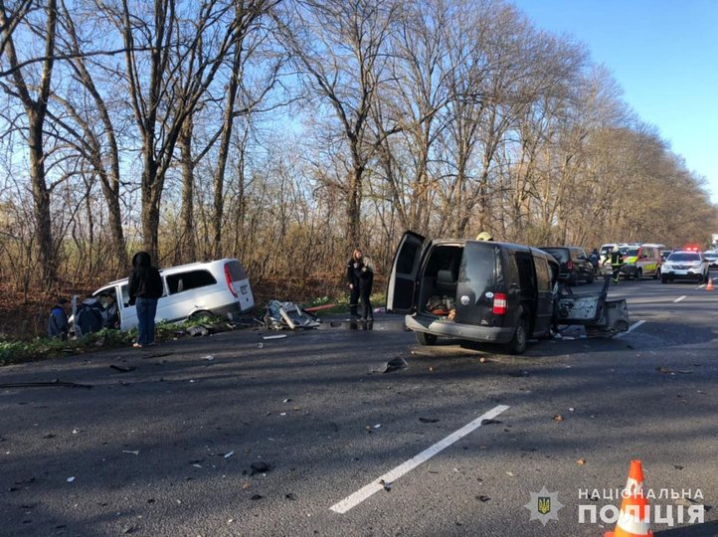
<point>663,53</point>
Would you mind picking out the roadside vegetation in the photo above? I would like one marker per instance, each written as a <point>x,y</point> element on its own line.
<point>287,133</point>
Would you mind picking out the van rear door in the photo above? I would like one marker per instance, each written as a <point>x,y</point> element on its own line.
<point>402,282</point>
<point>477,288</point>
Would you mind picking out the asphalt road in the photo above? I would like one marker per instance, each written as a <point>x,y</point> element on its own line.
<point>168,448</point>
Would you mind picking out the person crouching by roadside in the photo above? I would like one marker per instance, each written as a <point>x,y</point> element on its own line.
<point>145,288</point>
<point>57,325</point>
<point>360,275</point>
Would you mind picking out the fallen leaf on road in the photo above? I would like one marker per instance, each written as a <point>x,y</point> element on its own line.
<point>581,462</point>
<point>558,417</point>
<point>428,420</point>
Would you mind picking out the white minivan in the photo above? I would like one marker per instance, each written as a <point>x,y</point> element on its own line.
<point>217,287</point>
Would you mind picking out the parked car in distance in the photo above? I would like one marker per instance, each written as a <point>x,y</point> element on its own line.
<point>574,264</point>
<point>216,287</point>
<point>665,254</point>
<point>685,265</point>
<point>712,257</point>
<point>483,291</point>
<point>640,261</point>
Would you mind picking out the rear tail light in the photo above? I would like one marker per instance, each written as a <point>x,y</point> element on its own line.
<point>500,304</point>
<point>569,265</point>
<point>230,284</point>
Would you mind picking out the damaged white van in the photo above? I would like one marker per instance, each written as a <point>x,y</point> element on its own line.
<point>215,287</point>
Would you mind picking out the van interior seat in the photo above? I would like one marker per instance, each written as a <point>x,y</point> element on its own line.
<point>445,282</point>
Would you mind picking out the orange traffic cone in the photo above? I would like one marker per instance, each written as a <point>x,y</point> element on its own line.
<point>709,285</point>
<point>633,520</point>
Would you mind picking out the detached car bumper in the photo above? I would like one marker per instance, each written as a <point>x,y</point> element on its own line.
<point>443,328</point>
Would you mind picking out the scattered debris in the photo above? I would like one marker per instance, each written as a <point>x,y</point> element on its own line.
<point>198,330</point>
<point>483,498</point>
<point>391,365</point>
<point>259,467</point>
<point>290,496</point>
<point>378,425</point>
<point>131,452</point>
<point>491,422</point>
<point>484,360</point>
<point>281,336</point>
<point>664,369</point>
<point>557,417</point>
<point>521,373</point>
<point>428,420</point>
<point>209,358</point>
<point>581,462</point>
<point>287,400</point>
<point>122,369</point>
<point>228,454</point>
<point>677,467</point>
<point>257,497</point>
<point>281,315</point>
<point>260,345</point>
<point>385,484</point>
<point>52,383</point>
<point>70,479</point>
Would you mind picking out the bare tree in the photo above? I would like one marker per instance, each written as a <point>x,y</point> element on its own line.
<point>35,108</point>
<point>339,47</point>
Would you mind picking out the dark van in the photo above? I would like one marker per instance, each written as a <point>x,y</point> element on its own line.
<point>574,265</point>
<point>489,292</point>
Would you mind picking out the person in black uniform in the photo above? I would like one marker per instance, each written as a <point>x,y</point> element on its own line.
<point>145,289</point>
<point>360,276</point>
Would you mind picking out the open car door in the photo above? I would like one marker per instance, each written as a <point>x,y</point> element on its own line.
<point>400,293</point>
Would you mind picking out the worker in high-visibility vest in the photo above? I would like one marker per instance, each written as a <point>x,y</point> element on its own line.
<point>616,263</point>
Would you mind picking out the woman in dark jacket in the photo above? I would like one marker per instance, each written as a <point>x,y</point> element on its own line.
<point>361,279</point>
<point>145,288</point>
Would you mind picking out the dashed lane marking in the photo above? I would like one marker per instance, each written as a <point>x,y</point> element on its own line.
<point>631,328</point>
<point>378,484</point>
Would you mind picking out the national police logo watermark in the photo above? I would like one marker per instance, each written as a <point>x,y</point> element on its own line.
<point>544,506</point>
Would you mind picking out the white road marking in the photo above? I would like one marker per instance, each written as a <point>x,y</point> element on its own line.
<point>631,328</point>
<point>701,286</point>
<point>679,299</point>
<point>378,484</point>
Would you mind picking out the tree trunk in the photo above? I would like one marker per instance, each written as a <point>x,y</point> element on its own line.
<point>186,248</point>
<point>41,198</point>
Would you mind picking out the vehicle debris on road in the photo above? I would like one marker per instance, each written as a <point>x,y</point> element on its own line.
<point>282,315</point>
<point>391,365</point>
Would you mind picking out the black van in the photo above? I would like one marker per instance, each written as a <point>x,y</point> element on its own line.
<point>574,265</point>
<point>481,291</point>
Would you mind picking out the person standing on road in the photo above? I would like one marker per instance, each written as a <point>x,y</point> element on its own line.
<point>145,288</point>
<point>360,275</point>
<point>616,263</point>
<point>594,258</point>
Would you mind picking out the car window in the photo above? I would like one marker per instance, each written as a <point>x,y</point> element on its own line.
<point>184,281</point>
<point>542,274</point>
<point>560,254</point>
<point>684,256</point>
<point>125,290</point>
<point>631,252</point>
<point>236,271</point>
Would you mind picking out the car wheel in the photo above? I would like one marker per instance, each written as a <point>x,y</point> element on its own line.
<point>201,314</point>
<point>426,339</point>
<point>664,280</point>
<point>517,345</point>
